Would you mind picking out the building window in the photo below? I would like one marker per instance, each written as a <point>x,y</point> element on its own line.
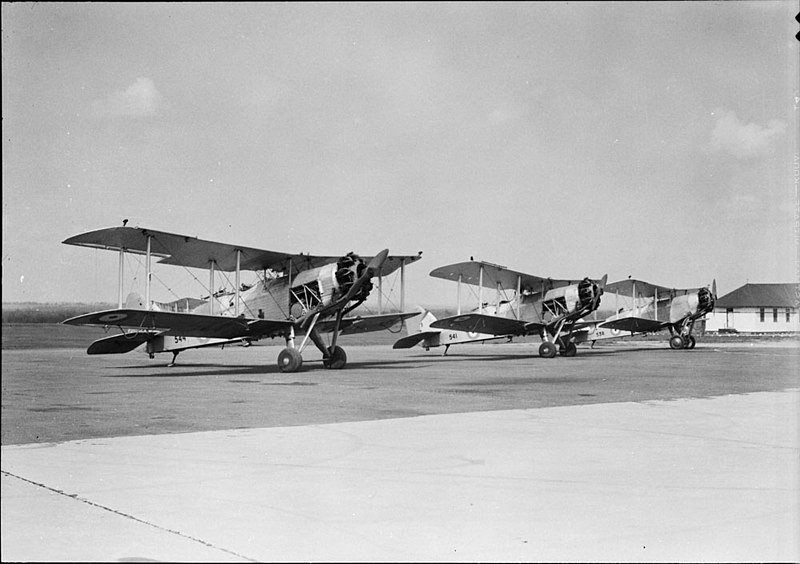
<point>774,314</point>
<point>788,314</point>
<point>761,314</point>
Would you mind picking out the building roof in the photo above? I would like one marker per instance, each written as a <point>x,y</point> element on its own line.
<point>762,295</point>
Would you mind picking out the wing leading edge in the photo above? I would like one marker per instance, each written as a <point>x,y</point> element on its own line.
<point>477,273</point>
<point>192,252</point>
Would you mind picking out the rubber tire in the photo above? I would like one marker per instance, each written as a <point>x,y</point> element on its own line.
<point>547,350</point>
<point>691,342</point>
<point>676,342</point>
<point>337,359</point>
<point>569,350</point>
<point>290,360</point>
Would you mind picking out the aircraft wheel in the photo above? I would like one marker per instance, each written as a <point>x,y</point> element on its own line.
<point>290,360</point>
<point>337,359</point>
<point>690,342</point>
<point>547,350</point>
<point>569,350</point>
<point>676,342</point>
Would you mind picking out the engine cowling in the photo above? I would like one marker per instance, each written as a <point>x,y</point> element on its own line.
<point>582,297</point>
<point>323,285</point>
<point>694,305</point>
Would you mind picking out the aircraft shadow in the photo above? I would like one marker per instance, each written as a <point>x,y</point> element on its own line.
<point>410,362</point>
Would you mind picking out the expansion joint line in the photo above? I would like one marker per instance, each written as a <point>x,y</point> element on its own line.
<point>127,516</point>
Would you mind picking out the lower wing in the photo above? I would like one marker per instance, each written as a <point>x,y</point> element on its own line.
<point>185,324</point>
<point>634,324</point>
<point>481,323</point>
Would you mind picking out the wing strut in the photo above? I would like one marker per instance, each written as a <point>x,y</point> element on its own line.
<point>211,286</point>
<point>403,285</point>
<point>480,288</point>
<point>458,295</point>
<point>149,275</point>
<point>238,278</point>
<point>655,305</point>
<point>380,292</point>
<point>121,274</point>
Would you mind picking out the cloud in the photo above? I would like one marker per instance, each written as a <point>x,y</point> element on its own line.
<point>743,140</point>
<point>139,99</point>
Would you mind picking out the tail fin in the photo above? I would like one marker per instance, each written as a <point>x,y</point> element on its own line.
<point>420,322</point>
<point>134,301</point>
<point>418,329</point>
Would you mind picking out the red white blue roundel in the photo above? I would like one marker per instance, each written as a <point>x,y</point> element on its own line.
<point>112,317</point>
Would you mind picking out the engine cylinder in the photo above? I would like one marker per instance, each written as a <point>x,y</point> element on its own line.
<point>705,301</point>
<point>350,268</point>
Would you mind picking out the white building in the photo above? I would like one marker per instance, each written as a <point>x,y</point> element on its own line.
<point>757,308</point>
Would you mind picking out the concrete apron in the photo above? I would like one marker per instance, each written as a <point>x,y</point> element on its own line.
<point>686,480</point>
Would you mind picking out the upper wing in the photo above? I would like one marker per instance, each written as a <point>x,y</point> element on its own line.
<point>365,323</point>
<point>481,323</point>
<point>192,252</point>
<point>642,288</point>
<point>635,324</point>
<point>186,324</point>
<point>493,276</point>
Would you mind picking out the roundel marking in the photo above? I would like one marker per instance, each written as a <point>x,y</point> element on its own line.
<point>615,331</point>
<point>472,335</point>
<point>460,319</point>
<point>112,317</point>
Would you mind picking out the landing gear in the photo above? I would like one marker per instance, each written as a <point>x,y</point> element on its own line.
<point>690,342</point>
<point>174,358</point>
<point>336,359</point>
<point>290,360</point>
<point>570,349</point>
<point>547,350</point>
<point>676,342</point>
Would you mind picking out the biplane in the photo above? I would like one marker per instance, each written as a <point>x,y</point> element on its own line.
<point>294,294</point>
<point>634,306</point>
<point>525,304</point>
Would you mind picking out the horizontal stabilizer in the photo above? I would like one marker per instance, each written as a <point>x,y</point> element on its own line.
<point>634,324</point>
<point>410,341</point>
<point>120,344</point>
<point>481,323</point>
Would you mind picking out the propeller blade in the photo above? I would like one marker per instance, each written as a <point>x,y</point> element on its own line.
<point>714,289</point>
<point>377,261</point>
<point>373,266</point>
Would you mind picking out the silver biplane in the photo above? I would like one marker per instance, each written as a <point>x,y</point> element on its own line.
<point>296,294</point>
<point>525,304</point>
<point>634,306</point>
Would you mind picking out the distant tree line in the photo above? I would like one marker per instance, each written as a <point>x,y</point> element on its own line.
<point>47,313</point>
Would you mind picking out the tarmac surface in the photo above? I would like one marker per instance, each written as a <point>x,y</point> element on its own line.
<point>627,452</point>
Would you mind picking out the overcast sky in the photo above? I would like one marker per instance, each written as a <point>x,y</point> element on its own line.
<point>656,140</point>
